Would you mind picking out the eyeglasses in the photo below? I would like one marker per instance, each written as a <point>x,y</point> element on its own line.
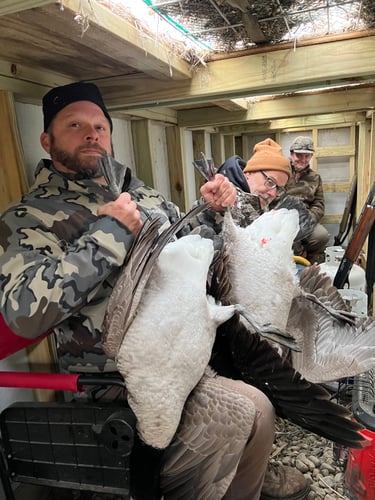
<point>271,184</point>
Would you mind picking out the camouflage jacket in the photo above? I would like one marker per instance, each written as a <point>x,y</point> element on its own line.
<point>309,188</point>
<point>59,261</point>
<point>246,208</point>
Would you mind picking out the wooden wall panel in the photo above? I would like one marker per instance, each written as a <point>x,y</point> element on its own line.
<point>175,166</point>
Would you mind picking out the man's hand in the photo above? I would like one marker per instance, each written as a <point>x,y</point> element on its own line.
<point>125,211</point>
<point>219,193</point>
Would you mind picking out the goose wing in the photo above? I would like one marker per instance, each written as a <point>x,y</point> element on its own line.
<point>333,345</point>
<point>201,461</point>
<point>127,292</point>
<point>318,288</point>
<point>240,354</point>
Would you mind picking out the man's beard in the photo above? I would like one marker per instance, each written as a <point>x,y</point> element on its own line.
<point>86,167</point>
<point>264,199</point>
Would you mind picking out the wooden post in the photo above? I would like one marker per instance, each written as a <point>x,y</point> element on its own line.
<point>175,165</point>
<point>217,149</point>
<point>229,145</point>
<point>142,151</point>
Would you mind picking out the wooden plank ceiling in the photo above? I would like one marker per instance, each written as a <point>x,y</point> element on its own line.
<point>43,44</point>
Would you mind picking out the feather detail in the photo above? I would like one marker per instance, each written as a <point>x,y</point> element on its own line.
<point>113,172</point>
<point>261,267</point>
<point>310,311</point>
<point>334,343</point>
<point>127,292</point>
<point>205,167</point>
<point>202,459</point>
<point>307,404</point>
<point>168,345</point>
<point>160,354</point>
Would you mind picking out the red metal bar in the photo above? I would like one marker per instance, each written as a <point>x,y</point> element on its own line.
<point>55,381</point>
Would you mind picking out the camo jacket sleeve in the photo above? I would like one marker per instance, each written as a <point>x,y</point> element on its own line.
<point>309,188</point>
<point>59,260</point>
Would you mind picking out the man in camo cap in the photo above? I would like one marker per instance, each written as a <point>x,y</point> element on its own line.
<point>62,247</point>
<point>307,185</point>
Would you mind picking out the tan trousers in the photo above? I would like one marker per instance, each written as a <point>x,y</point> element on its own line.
<point>248,481</point>
<point>317,241</point>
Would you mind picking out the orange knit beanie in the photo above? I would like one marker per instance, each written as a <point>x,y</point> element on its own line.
<point>268,156</point>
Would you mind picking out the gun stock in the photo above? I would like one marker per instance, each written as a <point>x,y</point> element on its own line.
<point>360,233</point>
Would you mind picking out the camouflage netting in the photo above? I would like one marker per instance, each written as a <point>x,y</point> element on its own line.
<point>219,26</point>
<point>219,23</point>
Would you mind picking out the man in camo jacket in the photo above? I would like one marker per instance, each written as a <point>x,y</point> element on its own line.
<point>64,243</point>
<point>62,247</point>
<point>307,185</point>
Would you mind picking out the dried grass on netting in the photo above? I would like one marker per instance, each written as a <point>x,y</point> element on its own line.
<point>222,30</point>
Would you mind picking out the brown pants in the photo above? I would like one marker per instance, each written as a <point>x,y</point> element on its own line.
<point>248,481</point>
<point>317,241</point>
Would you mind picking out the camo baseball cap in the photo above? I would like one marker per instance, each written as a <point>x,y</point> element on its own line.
<point>302,144</point>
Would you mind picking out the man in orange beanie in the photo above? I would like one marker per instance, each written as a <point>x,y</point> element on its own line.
<point>267,171</point>
<point>258,181</point>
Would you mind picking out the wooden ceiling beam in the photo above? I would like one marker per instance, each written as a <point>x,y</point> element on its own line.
<point>28,84</point>
<point>233,104</point>
<point>293,124</point>
<point>141,51</point>
<point>56,38</point>
<point>12,6</point>
<point>362,98</point>
<point>283,70</point>
<point>165,115</point>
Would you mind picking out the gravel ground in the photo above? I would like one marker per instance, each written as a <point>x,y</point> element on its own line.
<point>315,457</point>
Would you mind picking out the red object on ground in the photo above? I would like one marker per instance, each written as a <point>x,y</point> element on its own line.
<point>360,469</point>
